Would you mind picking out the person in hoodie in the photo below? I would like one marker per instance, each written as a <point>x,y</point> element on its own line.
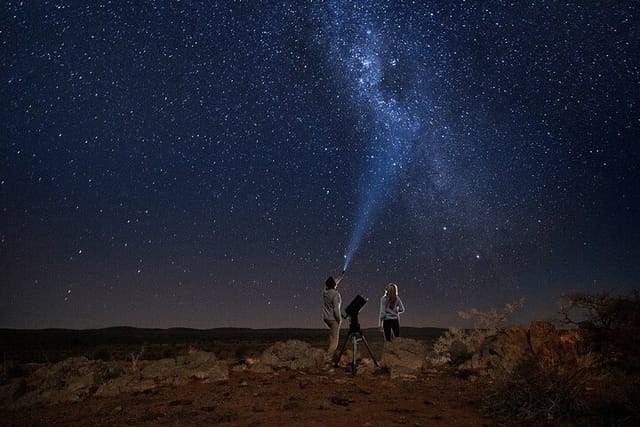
<point>390,308</point>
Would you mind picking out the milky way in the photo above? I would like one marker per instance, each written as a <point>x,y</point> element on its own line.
<point>197,164</point>
<point>359,52</point>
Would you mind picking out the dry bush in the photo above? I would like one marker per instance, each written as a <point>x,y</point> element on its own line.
<point>600,310</point>
<point>135,362</point>
<point>458,345</point>
<point>586,390</point>
<point>537,393</point>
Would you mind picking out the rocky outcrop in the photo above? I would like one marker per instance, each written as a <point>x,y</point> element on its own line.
<point>403,357</point>
<point>197,365</point>
<point>70,380</point>
<point>293,354</point>
<point>505,350</point>
<point>75,379</point>
<point>125,384</point>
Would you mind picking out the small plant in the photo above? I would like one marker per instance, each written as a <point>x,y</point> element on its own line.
<point>135,361</point>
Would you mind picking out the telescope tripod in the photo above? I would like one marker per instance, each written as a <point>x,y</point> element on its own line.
<point>355,335</point>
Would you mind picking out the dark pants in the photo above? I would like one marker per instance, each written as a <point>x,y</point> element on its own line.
<point>391,325</point>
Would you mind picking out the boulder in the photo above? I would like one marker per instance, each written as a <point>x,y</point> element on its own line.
<point>70,380</point>
<point>74,379</point>
<point>214,372</point>
<point>199,358</point>
<point>112,370</point>
<point>197,365</point>
<point>159,370</point>
<point>125,384</point>
<point>403,357</point>
<point>80,384</point>
<point>293,354</point>
<point>260,368</point>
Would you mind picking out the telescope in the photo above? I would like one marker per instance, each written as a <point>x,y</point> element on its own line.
<point>354,308</point>
<point>355,333</point>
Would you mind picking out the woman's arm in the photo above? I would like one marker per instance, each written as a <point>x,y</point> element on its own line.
<point>383,307</point>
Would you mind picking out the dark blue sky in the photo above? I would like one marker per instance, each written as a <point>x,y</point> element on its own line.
<point>201,164</point>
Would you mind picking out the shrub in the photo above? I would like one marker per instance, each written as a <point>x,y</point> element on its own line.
<point>600,310</point>
<point>538,393</point>
<point>458,345</point>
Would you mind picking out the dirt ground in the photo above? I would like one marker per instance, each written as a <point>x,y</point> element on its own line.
<point>329,397</point>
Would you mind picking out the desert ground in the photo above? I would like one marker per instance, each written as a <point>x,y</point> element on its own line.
<point>284,398</point>
<point>249,390</point>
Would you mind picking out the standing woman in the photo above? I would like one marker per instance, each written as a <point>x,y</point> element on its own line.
<point>390,308</point>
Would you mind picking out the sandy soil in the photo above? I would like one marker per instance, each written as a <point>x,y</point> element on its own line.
<point>331,397</point>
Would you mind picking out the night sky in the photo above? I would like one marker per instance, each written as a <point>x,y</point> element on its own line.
<point>208,164</point>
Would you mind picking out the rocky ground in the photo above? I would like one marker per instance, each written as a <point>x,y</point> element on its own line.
<point>283,397</point>
<point>290,383</point>
<point>532,376</point>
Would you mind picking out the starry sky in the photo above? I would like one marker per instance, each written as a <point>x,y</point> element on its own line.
<point>208,164</point>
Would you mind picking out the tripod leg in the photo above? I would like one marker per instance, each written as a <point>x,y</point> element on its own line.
<point>366,344</point>
<point>354,340</point>
<point>344,345</point>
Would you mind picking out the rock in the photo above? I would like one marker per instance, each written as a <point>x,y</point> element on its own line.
<point>112,370</point>
<point>128,384</point>
<point>403,356</point>
<point>199,358</point>
<point>261,368</point>
<point>81,384</point>
<point>214,372</point>
<point>75,379</point>
<point>239,368</point>
<point>545,342</point>
<point>197,365</point>
<point>294,354</point>
<point>403,372</point>
<point>70,380</point>
<point>52,397</point>
<point>159,370</point>
<point>47,397</point>
<point>435,360</point>
<point>114,387</point>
